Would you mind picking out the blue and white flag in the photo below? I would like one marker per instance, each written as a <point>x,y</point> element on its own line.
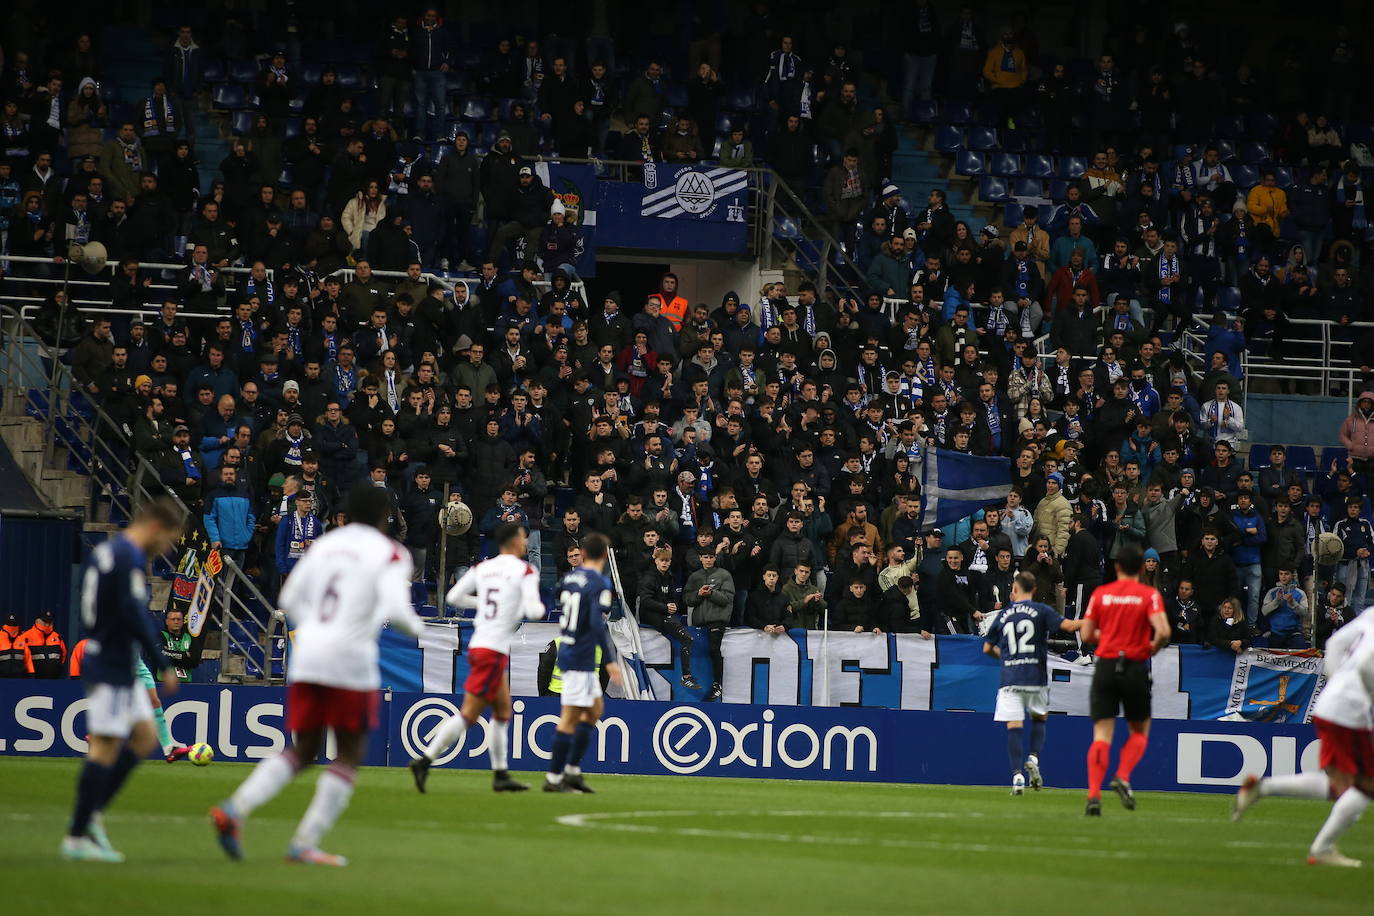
<point>955,485</point>
<point>1272,686</point>
<point>688,192</point>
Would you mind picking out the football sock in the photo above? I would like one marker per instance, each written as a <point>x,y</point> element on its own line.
<point>581,739</point>
<point>332,792</point>
<point>1014,750</point>
<point>562,744</point>
<point>164,734</point>
<point>90,791</point>
<point>1298,785</point>
<point>124,765</point>
<point>1345,812</point>
<point>262,785</point>
<point>1037,738</point>
<point>497,736</point>
<point>1099,753</point>
<point>449,733</point>
<point>1131,753</point>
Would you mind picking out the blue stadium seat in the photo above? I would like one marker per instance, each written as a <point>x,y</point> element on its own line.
<point>456,81</point>
<point>741,99</point>
<point>243,69</point>
<point>1022,140</point>
<point>470,57</point>
<point>786,228</point>
<point>1253,152</point>
<point>983,139</point>
<point>228,96</point>
<point>1228,299</point>
<point>477,110</point>
<point>993,190</point>
<point>1334,453</point>
<point>1004,164</point>
<point>677,96</point>
<point>297,103</point>
<point>242,122</point>
<point>214,70</point>
<point>1028,187</point>
<point>1039,165</point>
<point>970,163</point>
<point>1259,457</point>
<point>1283,176</point>
<point>1303,459</point>
<point>1072,167</point>
<point>1011,215</point>
<point>350,76</point>
<point>949,139</point>
<point>285,176</point>
<point>818,154</point>
<point>957,113</point>
<point>1230,127</point>
<point>312,73</point>
<point>1262,125</point>
<point>1226,150</point>
<point>1057,189</point>
<point>1245,176</point>
<point>293,127</point>
<point>925,111</point>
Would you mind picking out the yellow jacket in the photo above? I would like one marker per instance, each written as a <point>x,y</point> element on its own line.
<point>1268,206</point>
<point>1004,79</point>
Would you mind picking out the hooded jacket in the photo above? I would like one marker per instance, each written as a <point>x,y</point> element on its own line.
<point>1357,432</point>
<point>44,651</point>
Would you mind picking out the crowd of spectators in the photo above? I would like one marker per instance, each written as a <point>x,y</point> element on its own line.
<point>756,460</point>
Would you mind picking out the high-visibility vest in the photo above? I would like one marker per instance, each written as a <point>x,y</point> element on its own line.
<point>556,678</point>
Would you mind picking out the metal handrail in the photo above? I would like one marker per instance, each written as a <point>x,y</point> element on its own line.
<point>112,461</point>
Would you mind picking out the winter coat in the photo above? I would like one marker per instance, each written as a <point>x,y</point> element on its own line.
<point>229,518</point>
<point>767,608</point>
<point>1052,517</point>
<point>357,219</point>
<point>1357,432</point>
<point>714,607</point>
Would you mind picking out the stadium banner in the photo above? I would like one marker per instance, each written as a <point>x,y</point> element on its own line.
<point>579,190</point>
<point>883,671</point>
<point>241,723</point>
<point>677,207</point>
<point>245,724</point>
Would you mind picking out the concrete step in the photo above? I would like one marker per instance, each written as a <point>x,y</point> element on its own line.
<point>64,489</point>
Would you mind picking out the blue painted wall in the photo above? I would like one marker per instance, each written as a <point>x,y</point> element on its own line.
<point>1293,419</point>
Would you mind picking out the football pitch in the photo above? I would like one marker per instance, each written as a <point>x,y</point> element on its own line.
<point>670,845</point>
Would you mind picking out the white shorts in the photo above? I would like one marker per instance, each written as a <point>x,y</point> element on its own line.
<point>581,688</point>
<point>1013,703</point>
<point>113,711</point>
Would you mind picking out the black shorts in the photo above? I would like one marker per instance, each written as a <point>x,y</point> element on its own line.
<point>1126,691</point>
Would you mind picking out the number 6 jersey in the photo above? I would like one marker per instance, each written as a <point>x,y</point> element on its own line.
<point>505,591</point>
<point>345,587</point>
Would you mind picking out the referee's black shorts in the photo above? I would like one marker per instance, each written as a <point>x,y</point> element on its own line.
<point>1120,687</point>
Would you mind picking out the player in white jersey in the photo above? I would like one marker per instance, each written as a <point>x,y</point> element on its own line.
<point>346,587</point>
<point>505,591</point>
<point>1345,724</point>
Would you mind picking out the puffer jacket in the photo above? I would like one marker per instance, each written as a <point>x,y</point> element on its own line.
<point>1357,432</point>
<point>715,607</point>
<point>229,518</point>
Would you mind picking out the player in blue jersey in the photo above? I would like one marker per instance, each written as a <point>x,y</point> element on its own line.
<point>119,719</point>
<point>1019,636</point>
<point>585,599</point>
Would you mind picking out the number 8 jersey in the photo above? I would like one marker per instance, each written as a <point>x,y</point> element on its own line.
<point>505,591</point>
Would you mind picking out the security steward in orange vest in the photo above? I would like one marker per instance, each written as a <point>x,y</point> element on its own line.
<point>45,654</point>
<point>74,663</point>
<point>672,305</point>
<point>11,649</point>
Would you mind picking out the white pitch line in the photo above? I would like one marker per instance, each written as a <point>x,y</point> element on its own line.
<point>608,820</point>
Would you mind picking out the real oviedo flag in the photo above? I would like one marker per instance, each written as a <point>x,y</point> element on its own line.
<point>689,192</point>
<point>955,485</point>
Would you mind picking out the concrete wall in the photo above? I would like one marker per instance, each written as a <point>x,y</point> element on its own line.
<point>1294,420</point>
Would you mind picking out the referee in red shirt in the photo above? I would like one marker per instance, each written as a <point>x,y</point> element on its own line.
<point>1128,622</point>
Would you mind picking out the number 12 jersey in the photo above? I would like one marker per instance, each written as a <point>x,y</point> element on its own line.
<point>1021,633</point>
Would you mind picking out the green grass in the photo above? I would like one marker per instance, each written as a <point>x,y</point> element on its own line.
<point>669,845</point>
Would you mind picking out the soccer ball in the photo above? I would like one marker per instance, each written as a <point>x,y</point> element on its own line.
<point>201,755</point>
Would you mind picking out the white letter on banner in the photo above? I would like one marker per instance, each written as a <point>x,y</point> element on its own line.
<point>917,657</point>
<point>225,747</point>
<point>741,648</point>
<point>530,640</point>
<point>1170,700</point>
<point>1069,687</point>
<point>438,642</point>
<point>42,729</point>
<point>658,658</point>
<point>273,733</point>
<point>1190,750</point>
<point>197,709</point>
<point>829,652</point>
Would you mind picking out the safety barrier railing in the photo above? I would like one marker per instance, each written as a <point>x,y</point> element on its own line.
<point>35,383</point>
